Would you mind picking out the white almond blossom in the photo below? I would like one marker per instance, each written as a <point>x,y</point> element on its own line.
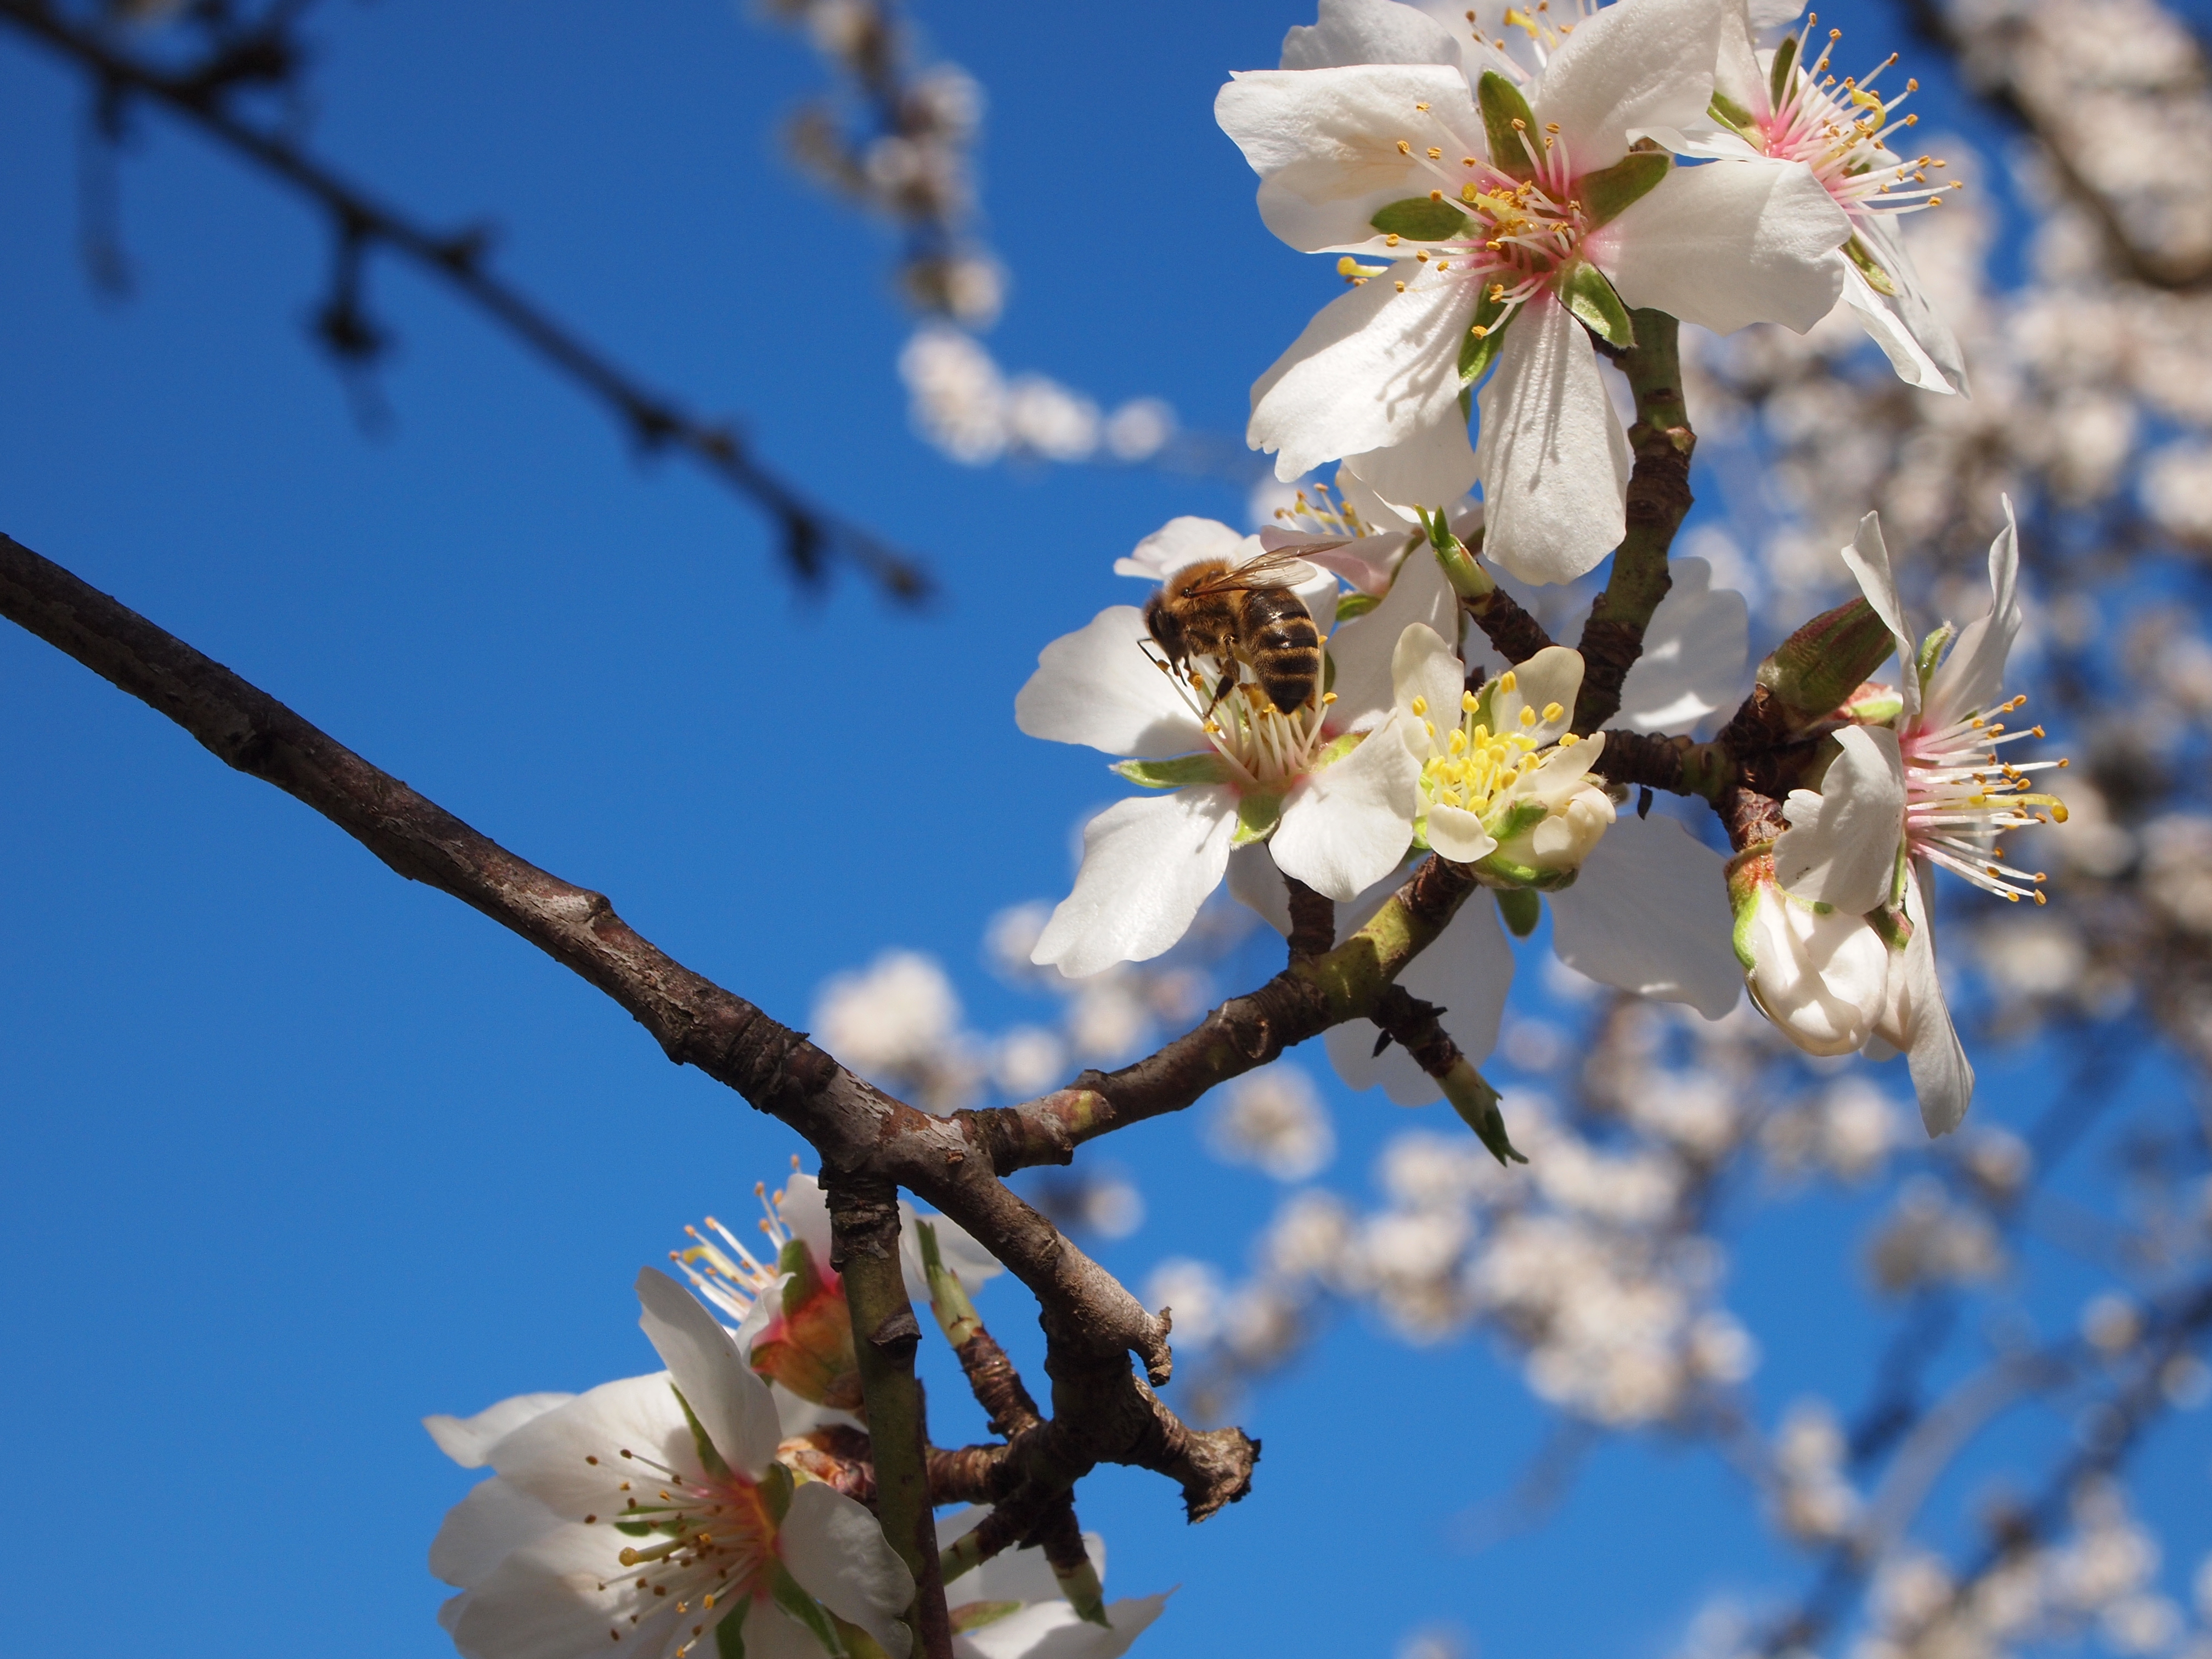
<point>1927,788</point>
<point>1819,973</point>
<point>1012,1607</point>
<point>1327,785</point>
<point>650,1517</point>
<point>1777,108</point>
<point>1491,202</point>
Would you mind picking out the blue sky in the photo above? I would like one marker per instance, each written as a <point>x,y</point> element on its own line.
<point>297,1152</point>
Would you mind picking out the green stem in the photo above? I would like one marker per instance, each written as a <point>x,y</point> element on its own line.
<point>864,1222</point>
<point>1658,498</point>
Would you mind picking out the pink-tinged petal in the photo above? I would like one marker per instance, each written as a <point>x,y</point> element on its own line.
<point>1841,846</point>
<point>1098,687</point>
<point>570,1459</point>
<point>1917,1020</point>
<point>1729,244</point>
<point>1368,32</point>
<point>1972,676</point>
<point>1375,368</point>
<point>837,1552</point>
<point>1637,65</point>
<point>1148,864</point>
<point>1257,884</point>
<point>1554,458</point>
<point>1868,559</point>
<point>1348,825</point>
<point>469,1440</point>
<point>1650,913</point>
<point>1432,469</point>
<point>1181,543</point>
<point>1364,647</point>
<point>725,1394</point>
<point>1467,973</point>
<point>1368,563</point>
<point>494,1521</point>
<point>1694,652</point>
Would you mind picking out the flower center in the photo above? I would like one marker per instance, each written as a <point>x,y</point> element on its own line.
<point>1475,767</point>
<point>1840,131</point>
<point>1315,514</point>
<point>1519,234</point>
<point>711,1541</point>
<point>1959,795</point>
<point>726,1274</point>
<point>1266,748</point>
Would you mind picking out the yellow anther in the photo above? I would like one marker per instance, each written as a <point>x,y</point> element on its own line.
<point>1404,149</point>
<point>1552,711</point>
<point>1481,332</point>
<point>1400,287</point>
<point>1327,698</point>
<point>1507,682</point>
<point>1421,705</point>
<point>1468,701</point>
<point>1457,744</point>
<point>1435,155</point>
<point>1435,195</point>
<point>1424,108</point>
<point>2058,812</point>
<point>1528,717</point>
<point>1391,240</point>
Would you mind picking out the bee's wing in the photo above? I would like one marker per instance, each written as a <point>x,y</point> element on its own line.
<point>1281,569</point>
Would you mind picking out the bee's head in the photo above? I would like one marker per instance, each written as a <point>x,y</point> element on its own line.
<point>1161,622</point>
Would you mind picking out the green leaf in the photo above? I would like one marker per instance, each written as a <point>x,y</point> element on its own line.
<point>1778,82</point>
<point>1422,218</point>
<point>1180,773</point>
<point>1354,604</point>
<point>806,1610</point>
<point>1484,335</point>
<point>1591,298</point>
<point>1729,113</point>
<point>1503,107</point>
<point>1522,909</point>
<point>1877,278</point>
<point>730,1634</point>
<point>1257,815</point>
<point>1611,192</point>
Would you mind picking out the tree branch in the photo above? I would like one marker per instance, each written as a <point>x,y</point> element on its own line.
<point>359,221</point>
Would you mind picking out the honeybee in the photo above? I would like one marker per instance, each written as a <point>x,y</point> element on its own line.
<point>1241,613</point>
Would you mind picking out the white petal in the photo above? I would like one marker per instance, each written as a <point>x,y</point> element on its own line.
<point>1317,590</point>
<point>1368,32</point>
<point>1972,673</point>
<point>1466,972</point>
<point>1325,143</point>
<point>568,1460</point>
<point>1364,647</point>
<point>725,1394</point>
<point>1097,686</point>
<point>1918,1021</point>
<point>1635,65</point>
<point>1820,976</point>
<point>494,1521</point>
<point>1867,557</point>
<point>1554,458</point>
<point>1368,563</point>
<point>469,1440</point>
<point>1650,913</point>
<point>1348,825</point>
<point>1694,652</point>
<point>1374,368</point>
<point>837,1552</point>
<point>1841,846</point>
<point>1051,1630</point>
<point>1918,343</point>
<point>1148,864</point>
<point>1553,677</point>
<point>806,1213</point>
<point>772,1633</point>
<point>545,1601</point>
<point>1180,542</point>
<point>1256,883</point>
<point>1431,468</point>
<point>956,1247</point>
<point>1456,834</point>
<point>1013,1575</point>
<point>1424,667</point>
<point>1729,244</point>
<point>1912,361</point>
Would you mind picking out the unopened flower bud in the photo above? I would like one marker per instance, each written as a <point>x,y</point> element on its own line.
<point>808,1346</point>
<point>1821,667</point>
<point>1818,973</point>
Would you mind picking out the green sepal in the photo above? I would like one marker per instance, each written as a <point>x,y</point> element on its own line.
<point>1422,218</point>
<point>1877,710</point>
<point>1878,279</point>
<point>1930,649</point>
<point>1611,192</point>
<point>1743,876</point>
<point>634,1529</point>
<point>1080,1585</point>
<point>730,1631</point>
<point>1353,604</point>
<point>1729,113</point>
<point>1337,751</point>
<point>1777,79</point>
<point>1501,105</point>
<point>1495,868</point>
<point>1257,815</point>
<point>1518,818</point>
<point>857,1642</point>
<point>1590,297</point>
<point>974,1615</point>
<point>1891,926</point>
<point>775,1488</point>
<point>1740,935</point>
<point>948,1298</point>
<point>1180,772</point>
<point>1466,578</point>
<point>1811,673</point>
<point>1521,908</point>
<point>806,1280</point>
<point>1478,351</point>
<point>710,1459</point>
<point>793,1599</point>
<point>1476,1102</point>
